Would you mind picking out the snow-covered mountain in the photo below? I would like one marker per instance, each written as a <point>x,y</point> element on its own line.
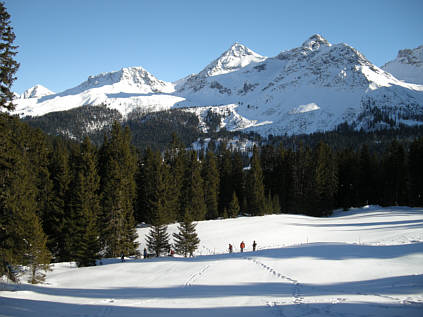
<point>37,91</point>
<point>313,87</point>
<point>408,66</point>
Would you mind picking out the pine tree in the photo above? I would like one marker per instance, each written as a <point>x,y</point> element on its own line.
<point>367,178</point>
<point>283,177</point>
<point>8,66</point>
<point>255,188</point>
<point>186,241</point>
<point>175,158</point>
<point>22,241</point>
<point>326,180</point>
<point>193,195</point>
<point>394,166</point>
<point>211,186</point>
<point>348,171</point>
<point>37,256</point>
<point>54,219</point>
<point>85,208</point>
<point>303,181</point>
<point>118,169</point>
<point>238,175</point>
<point>225,175</point>
<point>415,168</point>
<point>158,239</point>
<point>233,208</point>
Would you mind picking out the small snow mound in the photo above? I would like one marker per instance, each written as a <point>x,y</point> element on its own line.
<point>305,108</point>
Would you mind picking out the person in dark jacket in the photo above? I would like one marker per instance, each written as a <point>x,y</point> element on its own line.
<point>254,245</point>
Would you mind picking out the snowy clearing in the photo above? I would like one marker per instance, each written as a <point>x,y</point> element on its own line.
<point>364,262</point>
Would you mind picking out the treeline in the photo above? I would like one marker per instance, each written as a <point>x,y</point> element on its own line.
<point>68,201</point>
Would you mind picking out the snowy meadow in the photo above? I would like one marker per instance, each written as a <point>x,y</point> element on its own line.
<point>363,262</point>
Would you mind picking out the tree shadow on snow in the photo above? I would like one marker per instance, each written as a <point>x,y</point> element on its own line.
<point>33,308</point>
<point>409,284</point>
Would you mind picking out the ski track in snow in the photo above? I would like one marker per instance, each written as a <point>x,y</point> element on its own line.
<point>304,309</point>
<point>196,276</point>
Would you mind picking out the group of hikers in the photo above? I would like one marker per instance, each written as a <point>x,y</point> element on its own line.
<point>171,252</point>
<point>242,246</point>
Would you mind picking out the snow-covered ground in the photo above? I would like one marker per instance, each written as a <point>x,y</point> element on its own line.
<point>364,262</point>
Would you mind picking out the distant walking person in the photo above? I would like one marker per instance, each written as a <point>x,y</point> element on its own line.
<point>122,257</point>
<point>145,253</point>
<point>230,248</point>
<point>242,246</point>
<point>254,245</point>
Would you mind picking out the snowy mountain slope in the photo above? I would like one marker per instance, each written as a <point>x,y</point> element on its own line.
<point>334,79</point>
<point>407,66</point>
<point>314,87</point>
<point>365,262</point>
<point>123,90</point>
<point>37,91</point>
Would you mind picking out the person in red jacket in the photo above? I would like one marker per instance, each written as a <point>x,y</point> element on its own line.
<point>242,246</point>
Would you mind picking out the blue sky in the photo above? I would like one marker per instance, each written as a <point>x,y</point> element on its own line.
<point>61,43</point>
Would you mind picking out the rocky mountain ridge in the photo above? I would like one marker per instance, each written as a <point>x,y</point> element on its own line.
<point>314,87</point>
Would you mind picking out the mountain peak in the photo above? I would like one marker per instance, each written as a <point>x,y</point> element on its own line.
<point>236,57</point>
<point>37,91</point>
<point>315,41</point>
<point>407,66</point>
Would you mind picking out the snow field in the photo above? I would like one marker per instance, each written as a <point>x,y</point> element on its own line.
<point>365,262</point>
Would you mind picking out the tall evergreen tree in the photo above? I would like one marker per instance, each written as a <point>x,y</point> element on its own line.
<point>238,176</point>
<point>211,186</point>
<point>233,208</point>
<point>348,171</point>
<point>54,219</point>
<point>22,241</point>
<point>303,180</point>
<point>255,188</point>
<point>8,66</point>
<point>225,175</point>
<point>326,180</point>
<point>186,241</point>
<point>394,165</point>
<point>85,208</point>
<point>415,168</point>
<point>283,178</point>
<point>158,238</point>
<point>118,169</point>
<point>193,194</point>
<point>367,178</point>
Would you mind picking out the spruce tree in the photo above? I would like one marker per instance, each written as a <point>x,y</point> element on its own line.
<point>233,208</point>
<point>8,66</point>
<point>255,188</point>
<point>211,186</point>
<point>394,165</point>
<point>415,168</point>
<point>238,175</point>
<point>54,219</point>
<point>158,239</point>
<point>193,195</point>
<point>283,177</point>
<point>118,169</point>
<point>85,208</point>
<point>326,180</point>
<point>22,240</point>
<point>186,241</point>
<point>225,175</point>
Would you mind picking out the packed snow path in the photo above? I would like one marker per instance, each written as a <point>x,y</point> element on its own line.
<point>365,262</point>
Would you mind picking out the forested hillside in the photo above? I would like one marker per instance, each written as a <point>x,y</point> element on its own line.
<point>79,202</point>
